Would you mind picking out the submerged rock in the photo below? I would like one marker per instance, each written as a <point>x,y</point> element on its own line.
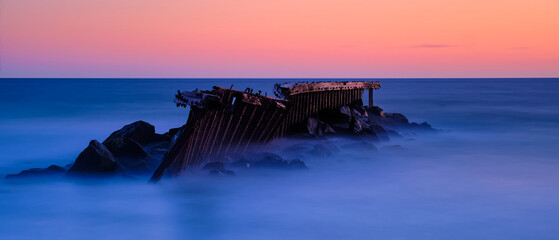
<point>393,147</point>
<point>422,126</point>
<point>324,149</point>
<point>52,170</point>
<point>269,161</point>
<point>218,168</point>
<point>360,146</point>
<point>297,164</point>
<point>95,159</point>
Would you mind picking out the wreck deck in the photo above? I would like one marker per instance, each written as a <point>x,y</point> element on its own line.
<point>226,121</point>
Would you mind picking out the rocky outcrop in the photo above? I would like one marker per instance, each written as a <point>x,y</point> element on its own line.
<point>124,151</point>
<point>141,132</point>
<point>136,149</point>
<point>95,159</point>
<point>130,146</point>
<point>394,121</point>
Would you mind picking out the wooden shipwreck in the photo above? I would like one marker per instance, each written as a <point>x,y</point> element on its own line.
<point>224,121</point>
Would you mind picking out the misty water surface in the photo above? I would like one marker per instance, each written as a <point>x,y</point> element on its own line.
<point>490,173</point>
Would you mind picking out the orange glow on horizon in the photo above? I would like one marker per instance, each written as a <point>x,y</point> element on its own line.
<point>250,38</point>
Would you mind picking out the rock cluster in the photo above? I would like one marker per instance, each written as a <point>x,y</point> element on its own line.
<point>361,120</point>
<point>133,150</point>
<point>136,150</point>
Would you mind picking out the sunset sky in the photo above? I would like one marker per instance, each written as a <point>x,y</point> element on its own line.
<point>287,38</point>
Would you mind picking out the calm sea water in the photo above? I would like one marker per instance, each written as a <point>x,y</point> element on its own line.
<point>491,173</point>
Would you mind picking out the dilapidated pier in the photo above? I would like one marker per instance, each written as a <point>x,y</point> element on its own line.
<point>225,121</point>
<point>309,99</point>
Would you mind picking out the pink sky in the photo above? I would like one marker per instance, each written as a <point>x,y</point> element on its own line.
<point>289,38</point>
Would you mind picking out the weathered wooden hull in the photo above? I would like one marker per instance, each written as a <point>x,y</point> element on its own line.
<point>225,121</point>
<point>224,130</point>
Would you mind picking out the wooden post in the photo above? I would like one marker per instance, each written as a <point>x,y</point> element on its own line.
<point>370,97</point>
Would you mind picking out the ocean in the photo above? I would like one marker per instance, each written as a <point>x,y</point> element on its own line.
<point>490,172</point>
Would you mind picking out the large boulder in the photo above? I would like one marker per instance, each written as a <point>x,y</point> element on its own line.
<point>130,146</point>
<point>125,148</point>
<point>359,126</point>
<point>95,159</point>
<point>141,132</point>
<point>345,110</point>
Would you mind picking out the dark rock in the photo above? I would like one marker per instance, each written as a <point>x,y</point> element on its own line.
<point>393,133</point>
<point>324,149</point>
<point>52,170</point>
<point>360,110</point>
<point>270,160</point>
<point>141,132</point>
<point>214,166</point>
<point>375,111</point>
<point>425,125</point>
<point>380,132</point>
<point>173,134</point>
<point>297,164</point>
<point>130,156</point>
<point>125,147</point>
<point>393,147</point>
<point>318,128</point>
<point>360,146</point>
<point>158,150</point>
<point>359,126</point>
<point>397,118</point>
<point>217,168</point>
<point>227,172</point>
<point>222,172</point>
<point>130,146</point>
<point>95,159</point>
<point>422,126</point>
<point>243,163</point>
<point>345,110</point>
